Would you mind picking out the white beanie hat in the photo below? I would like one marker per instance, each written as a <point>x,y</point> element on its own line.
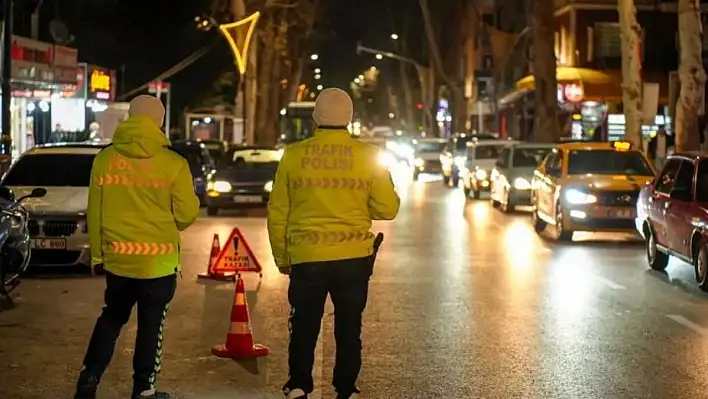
<point>333,108</point>
<point>148,106</point>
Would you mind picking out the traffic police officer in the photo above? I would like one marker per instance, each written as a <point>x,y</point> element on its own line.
<point>141,196</point>
<point>326,192</point>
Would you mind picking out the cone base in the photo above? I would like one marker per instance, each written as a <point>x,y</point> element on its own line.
<point>233,353</point>
<point>228,276</point>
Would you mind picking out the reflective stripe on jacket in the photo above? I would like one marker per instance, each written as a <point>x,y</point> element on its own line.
<point>141,197</point>
<point>325,194</point>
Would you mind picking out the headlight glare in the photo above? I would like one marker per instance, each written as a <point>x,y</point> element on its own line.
<point>460,162</point>
<point>419,162</point>
<point>522,184</point>
<point>387,159</point>
<point>480,174</point>
<point>268,187</point>
<point>577,197</point>
<point>219,186</point>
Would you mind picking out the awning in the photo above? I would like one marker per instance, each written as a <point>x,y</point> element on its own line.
<point>598,86</point>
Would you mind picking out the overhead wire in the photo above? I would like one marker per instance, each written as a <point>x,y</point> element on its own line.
<point>175,69</point>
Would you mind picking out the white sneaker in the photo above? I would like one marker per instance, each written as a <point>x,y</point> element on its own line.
<point>296,394</point>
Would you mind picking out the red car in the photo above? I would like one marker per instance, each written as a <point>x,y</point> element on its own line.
<point>672,214</point>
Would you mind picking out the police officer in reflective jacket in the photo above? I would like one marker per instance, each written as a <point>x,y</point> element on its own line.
<point>326,192</point>
<point>141,197</point>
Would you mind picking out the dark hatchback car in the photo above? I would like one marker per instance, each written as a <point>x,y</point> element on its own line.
<point>244,178</point>
<point>201,164</point>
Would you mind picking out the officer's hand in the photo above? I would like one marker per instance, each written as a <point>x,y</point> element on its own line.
<point>285,270</point>
<point>98,269</point>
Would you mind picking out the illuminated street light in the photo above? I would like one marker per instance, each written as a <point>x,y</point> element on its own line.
<point>357,80</point>
<point>394,36</point>
<point>317,77</point>
<point>314,57</point>
<point>379,56</point>
<point>391,115</point>
<point>320,87</point>
<point>318,70</point>
<point>372,69</point>
<point>361,77</point>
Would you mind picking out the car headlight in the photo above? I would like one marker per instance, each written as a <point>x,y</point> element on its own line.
<point>522,184</point>
<point>460,162</point>
<point>419,162</point>
<point>480,174</point>
<point>219,186</point>
<point>268,187</point>
<point>577,197</point>
<point>387,159</point>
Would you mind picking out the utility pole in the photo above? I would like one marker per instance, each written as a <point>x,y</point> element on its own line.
<point>6,138</point>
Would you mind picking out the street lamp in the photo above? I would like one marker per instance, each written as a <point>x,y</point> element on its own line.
<point>391,115</point>
<point>318,76</point>
<point>318,70</point>
<point>379,56</point>
<point>394,36</point>
<point>357,80</point>
<point>314,57</point>
<point>320,87</point>
<point>361,77</point>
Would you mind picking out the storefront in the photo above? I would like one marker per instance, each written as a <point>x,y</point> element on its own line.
<point>67,105</point>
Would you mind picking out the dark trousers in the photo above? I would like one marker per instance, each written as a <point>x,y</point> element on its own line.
<point>347,281</point>
<point>153,297</point>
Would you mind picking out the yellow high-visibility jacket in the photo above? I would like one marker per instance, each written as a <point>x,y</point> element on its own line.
<point>326,192</point>
<point>141,196</point>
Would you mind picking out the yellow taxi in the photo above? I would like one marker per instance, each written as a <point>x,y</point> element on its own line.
<point>589,186</point>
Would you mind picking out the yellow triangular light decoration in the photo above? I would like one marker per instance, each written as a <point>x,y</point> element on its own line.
<point>241,55</point>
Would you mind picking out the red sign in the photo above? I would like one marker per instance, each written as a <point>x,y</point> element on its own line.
<point>573,93</point>
<point>32,60</point>
<point>162,86</point>
<point>236,256</point>
<point>27,93</point>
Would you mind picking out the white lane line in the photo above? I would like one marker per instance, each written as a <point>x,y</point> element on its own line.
<point>318,369</point>
<point>610,283</point>
<point>688,324</point>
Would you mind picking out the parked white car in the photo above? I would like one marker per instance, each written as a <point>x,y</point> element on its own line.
<point>57,222</point>
<point>480,160</point>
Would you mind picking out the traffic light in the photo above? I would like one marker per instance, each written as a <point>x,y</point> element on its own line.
<point>419,106</point>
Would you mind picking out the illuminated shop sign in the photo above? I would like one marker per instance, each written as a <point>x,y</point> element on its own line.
<point>101,84</point>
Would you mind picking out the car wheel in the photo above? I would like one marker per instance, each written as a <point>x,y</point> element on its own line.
<point>701,264</point>
<point>538,224</point>
<point>212,211</point>
<point>658,260</point>
<point>561,233</point>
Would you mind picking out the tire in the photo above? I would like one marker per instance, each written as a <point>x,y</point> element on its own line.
<point>538,224</point>
<point>658,260</point>
<point>561,233</point>
<point>701,267</point>
<point>212,211</point>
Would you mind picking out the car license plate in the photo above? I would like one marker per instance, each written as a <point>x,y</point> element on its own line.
<point>248,199</point>
<point>48,243</point>
<point>621,214</point>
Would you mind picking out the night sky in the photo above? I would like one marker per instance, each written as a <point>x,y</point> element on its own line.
<point>148,37</point>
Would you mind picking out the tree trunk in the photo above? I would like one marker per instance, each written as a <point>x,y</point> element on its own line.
<point>691,74</point>
<point>546,128</point>
<point>265,75</point>
<point>294,80</point>
<point>631,34</point>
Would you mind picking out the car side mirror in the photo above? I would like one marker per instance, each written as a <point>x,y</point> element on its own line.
<point>6,193</point>
<point>681,195</point>
<point>36,193</point>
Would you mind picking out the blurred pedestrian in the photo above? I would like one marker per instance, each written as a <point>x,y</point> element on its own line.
<point>326,192</point>
<point>141,196</point>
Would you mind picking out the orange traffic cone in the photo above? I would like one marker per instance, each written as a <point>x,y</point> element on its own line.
<point>215,250</point>
<point>239,340</point>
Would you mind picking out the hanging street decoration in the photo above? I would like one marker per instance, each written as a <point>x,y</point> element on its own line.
<point>239,35</point>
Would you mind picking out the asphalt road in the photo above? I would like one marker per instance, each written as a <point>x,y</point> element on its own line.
<point>465,302</point>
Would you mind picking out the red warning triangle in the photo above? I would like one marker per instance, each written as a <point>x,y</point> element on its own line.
<point>236,256</point>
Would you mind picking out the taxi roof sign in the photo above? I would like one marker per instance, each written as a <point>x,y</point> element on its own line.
<point>622,145</point>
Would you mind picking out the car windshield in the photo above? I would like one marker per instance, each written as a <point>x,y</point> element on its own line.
<point>529,157</point>
<point>608,162</point>
<point>51,170</point>
<point>430,146</point>
<point>486,151</point>
<point>255,159</point>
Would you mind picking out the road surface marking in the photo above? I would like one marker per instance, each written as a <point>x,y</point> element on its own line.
<point>688,324</point>
<point>610,283</point>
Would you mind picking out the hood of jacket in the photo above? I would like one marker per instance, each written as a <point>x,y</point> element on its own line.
<point>139,137</point>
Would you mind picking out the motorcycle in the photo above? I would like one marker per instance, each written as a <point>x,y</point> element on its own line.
<point>14,239</point>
